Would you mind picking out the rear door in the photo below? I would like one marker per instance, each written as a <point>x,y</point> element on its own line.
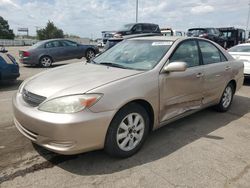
<point>72,50</point>
<point>217,71</point>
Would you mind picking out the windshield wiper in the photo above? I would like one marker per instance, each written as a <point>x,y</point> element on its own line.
<point>113,65</point>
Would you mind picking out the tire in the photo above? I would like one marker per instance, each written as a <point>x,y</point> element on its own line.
<point>90,54</point>
<point>132,137</point>
<point>226,99</point>
<point>45,61</point>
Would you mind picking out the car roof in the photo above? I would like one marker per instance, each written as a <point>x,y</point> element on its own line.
<point>141,23</point>
<point>166,38</point>
<point>198,28</point>
<point>244,44</point>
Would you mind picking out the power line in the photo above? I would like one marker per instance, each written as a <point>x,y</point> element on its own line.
<point>248,17</point>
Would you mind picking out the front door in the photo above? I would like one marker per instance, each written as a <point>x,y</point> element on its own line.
<point>182,91</point>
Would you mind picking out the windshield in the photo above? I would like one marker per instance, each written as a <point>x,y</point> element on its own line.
<point>126,27</point>
<point>240,49</point>
<point>135,54</point>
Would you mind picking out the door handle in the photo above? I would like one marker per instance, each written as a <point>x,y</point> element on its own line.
<point>217,75</point>
<point>199,75</point>
<point>227,68</point>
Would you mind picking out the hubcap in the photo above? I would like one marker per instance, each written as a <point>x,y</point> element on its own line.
<point>227,97</point>
<point>46,61</point>
<point>90,54</point>
<point>130,131</point>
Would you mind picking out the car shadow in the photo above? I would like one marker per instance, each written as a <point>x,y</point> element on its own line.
<point>10,85</point>
<point>52,66</point>
<point>159,144</point>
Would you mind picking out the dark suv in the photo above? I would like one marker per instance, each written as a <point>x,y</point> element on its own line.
<point>208,33</point>
<point>137,28</point>
<point>234,36</point>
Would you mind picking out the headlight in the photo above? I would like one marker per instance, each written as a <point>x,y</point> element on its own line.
<point>70,104</point>
<point>20,89</point>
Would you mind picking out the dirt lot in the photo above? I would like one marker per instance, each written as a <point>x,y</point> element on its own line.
<point>207,149</point>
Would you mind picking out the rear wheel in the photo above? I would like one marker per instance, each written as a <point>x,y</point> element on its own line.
<point>45,61</point>
<point>127,131</point>
<point>90,54</point>
<point>226,99</point>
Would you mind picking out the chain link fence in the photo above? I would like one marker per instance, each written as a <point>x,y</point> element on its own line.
<point>30,42</point>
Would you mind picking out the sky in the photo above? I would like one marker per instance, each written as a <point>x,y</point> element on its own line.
<point>87,18</point>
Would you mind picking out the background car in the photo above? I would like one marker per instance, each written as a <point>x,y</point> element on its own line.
<point>242,52</point>
<point>137,28</point>
<point>9,69</point>
<point>114,101</point>
<point>212,34</point>
<point>113,41</point>
<point>234,36</point>
<point>171,32</point>
<point>46,52</point>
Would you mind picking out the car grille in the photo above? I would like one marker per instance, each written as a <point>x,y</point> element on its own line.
<point>32,99</point>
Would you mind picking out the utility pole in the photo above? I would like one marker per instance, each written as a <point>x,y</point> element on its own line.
<point>248,17</point>
<point>136,14</point>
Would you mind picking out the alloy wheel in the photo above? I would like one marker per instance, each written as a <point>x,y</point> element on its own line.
<point>130,132</point>
<point>227,97</point>
<point>46,62</point>
<point>90,54</point>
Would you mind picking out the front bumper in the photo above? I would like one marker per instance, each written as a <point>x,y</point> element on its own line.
<point>61,133</point>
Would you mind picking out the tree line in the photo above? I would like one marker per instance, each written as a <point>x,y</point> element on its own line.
<point>49,32</point>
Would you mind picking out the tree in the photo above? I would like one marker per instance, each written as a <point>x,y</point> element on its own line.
<point>49,32</point>
<point>5,31</point>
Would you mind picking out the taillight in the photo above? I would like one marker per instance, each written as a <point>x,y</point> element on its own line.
<point>26,54</point>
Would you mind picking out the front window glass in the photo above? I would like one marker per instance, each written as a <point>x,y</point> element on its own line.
<point>240,49</point>
<point>187,52</point>
<point>135,54</point>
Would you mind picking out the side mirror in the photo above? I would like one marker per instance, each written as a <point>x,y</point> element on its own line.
<point>175,67</point>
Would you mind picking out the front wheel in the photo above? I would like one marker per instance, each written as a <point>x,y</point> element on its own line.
<point>226,99</point>
<point>90,54</point>
<point>127,131</point>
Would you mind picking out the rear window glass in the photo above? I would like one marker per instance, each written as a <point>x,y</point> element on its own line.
<point>210,53</point>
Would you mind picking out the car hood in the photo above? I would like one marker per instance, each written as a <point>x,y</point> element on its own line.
<point>240,55</point>
<point>75,79</point>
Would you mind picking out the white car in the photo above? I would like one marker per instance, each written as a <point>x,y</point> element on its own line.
<point>242,52</point>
